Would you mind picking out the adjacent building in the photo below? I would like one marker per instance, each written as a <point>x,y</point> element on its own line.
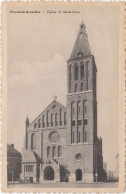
<point>61,144</point>
<point>14,160</point>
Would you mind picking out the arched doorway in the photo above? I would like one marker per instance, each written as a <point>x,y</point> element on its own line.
<point>78,173</point>
<point>48,173</point>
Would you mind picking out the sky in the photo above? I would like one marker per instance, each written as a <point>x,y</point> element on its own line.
<point>39,46</point>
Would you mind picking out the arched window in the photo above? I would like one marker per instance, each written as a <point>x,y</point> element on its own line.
<point>39,123</point>
<point>85,136</point>
<point>87,74</point>
<point>60,117</point>
<point>79,136</point>
<point>47,118</point>
<point>79,108</point>
<point>35,125</point>
<point>59,151</point>
<point>43,121</point>
<point>82,86</point>
<point>75,72</point>
<point>72,136</point>
<point>72,110</point>
<point>70,77</point>
<point>82,70</point>
<point>52,120</point>
<point>65,118</point>
<point>85,107</point>
<point>54,151</point>
<point>33,142</point>
<point>56,119</point>
<point>48,151</point>
<point>76,87</point>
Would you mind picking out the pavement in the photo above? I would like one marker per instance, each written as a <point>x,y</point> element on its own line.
<point>64,185</point>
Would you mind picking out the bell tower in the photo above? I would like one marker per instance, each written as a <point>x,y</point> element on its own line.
<point>81,110</point>
<point>81,92</point>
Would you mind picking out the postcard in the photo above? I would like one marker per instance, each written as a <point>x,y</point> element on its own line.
<point>63,97</point>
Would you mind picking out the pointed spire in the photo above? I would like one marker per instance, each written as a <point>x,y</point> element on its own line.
<point>81,47</point>
<point>82,25</point>
<point>27,121</point>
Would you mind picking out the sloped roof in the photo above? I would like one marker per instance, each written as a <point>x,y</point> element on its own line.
<point>38,159</point>
<point>28,156</point>
<point>12,152</point>
<point>81,47</point>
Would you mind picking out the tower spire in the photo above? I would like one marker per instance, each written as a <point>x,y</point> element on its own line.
<point>81,47</point>
<point>82,25</point>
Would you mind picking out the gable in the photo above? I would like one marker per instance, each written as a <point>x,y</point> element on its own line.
<point>53,116</point>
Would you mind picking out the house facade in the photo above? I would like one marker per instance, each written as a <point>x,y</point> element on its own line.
<point>61,144</point>
<point>14,160</point>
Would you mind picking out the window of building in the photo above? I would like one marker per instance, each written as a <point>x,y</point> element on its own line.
<point>73,137</point>
<point>79,108</point>
<point>60,117</point>
<point>87,74</point>
<point>48,151</point>
<point>65,122</point>
<point>78,157</point>
<point>70,77</point>
<point>33,141</point>
<point>70,71</point>
<point>85,136</point>
<point>35,125</point>
<point>76,87</point>
<point>54,151</point>
<point>39,123</point>
<point>59,151</point>
<point>56,119</point>
<point>28,168</point>
<point>73,123</point>
<point>85,121</point>
<point>79,136</point>
<point>52,120</point>
<point>75,72</point>
<point>82,86</point>
<point>43,121</point>
<point>47,118</point>
<point>79,122</point>
<point>85,108</point>
<point>82,71</point>
<point>72,110</point>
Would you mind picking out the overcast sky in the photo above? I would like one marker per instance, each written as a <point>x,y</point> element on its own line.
<point>39,46</point>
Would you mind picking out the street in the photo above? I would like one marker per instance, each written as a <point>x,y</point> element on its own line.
<point>64,185</point>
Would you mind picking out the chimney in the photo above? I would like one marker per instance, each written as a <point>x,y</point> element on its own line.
<point>12,145</point>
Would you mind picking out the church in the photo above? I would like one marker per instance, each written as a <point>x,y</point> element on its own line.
<point>61,143</point>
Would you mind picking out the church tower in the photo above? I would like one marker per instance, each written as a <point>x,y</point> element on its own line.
<point>81,109</point>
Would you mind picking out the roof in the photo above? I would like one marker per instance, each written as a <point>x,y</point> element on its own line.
<point>38,159</point>
<point>30,156</point>
<point>12,152</point>
<point>81,47</point>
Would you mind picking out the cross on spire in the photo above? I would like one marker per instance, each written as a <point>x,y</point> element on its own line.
<point>54,97</point>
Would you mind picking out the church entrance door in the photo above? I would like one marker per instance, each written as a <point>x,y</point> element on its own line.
<point>48,173</point>
<point>78,175</point>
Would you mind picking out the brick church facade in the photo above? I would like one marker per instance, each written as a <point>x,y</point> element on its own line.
<point>61,144</point>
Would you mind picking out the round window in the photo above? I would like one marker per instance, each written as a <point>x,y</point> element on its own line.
<point>78,156</point>
<point>54,137</point>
